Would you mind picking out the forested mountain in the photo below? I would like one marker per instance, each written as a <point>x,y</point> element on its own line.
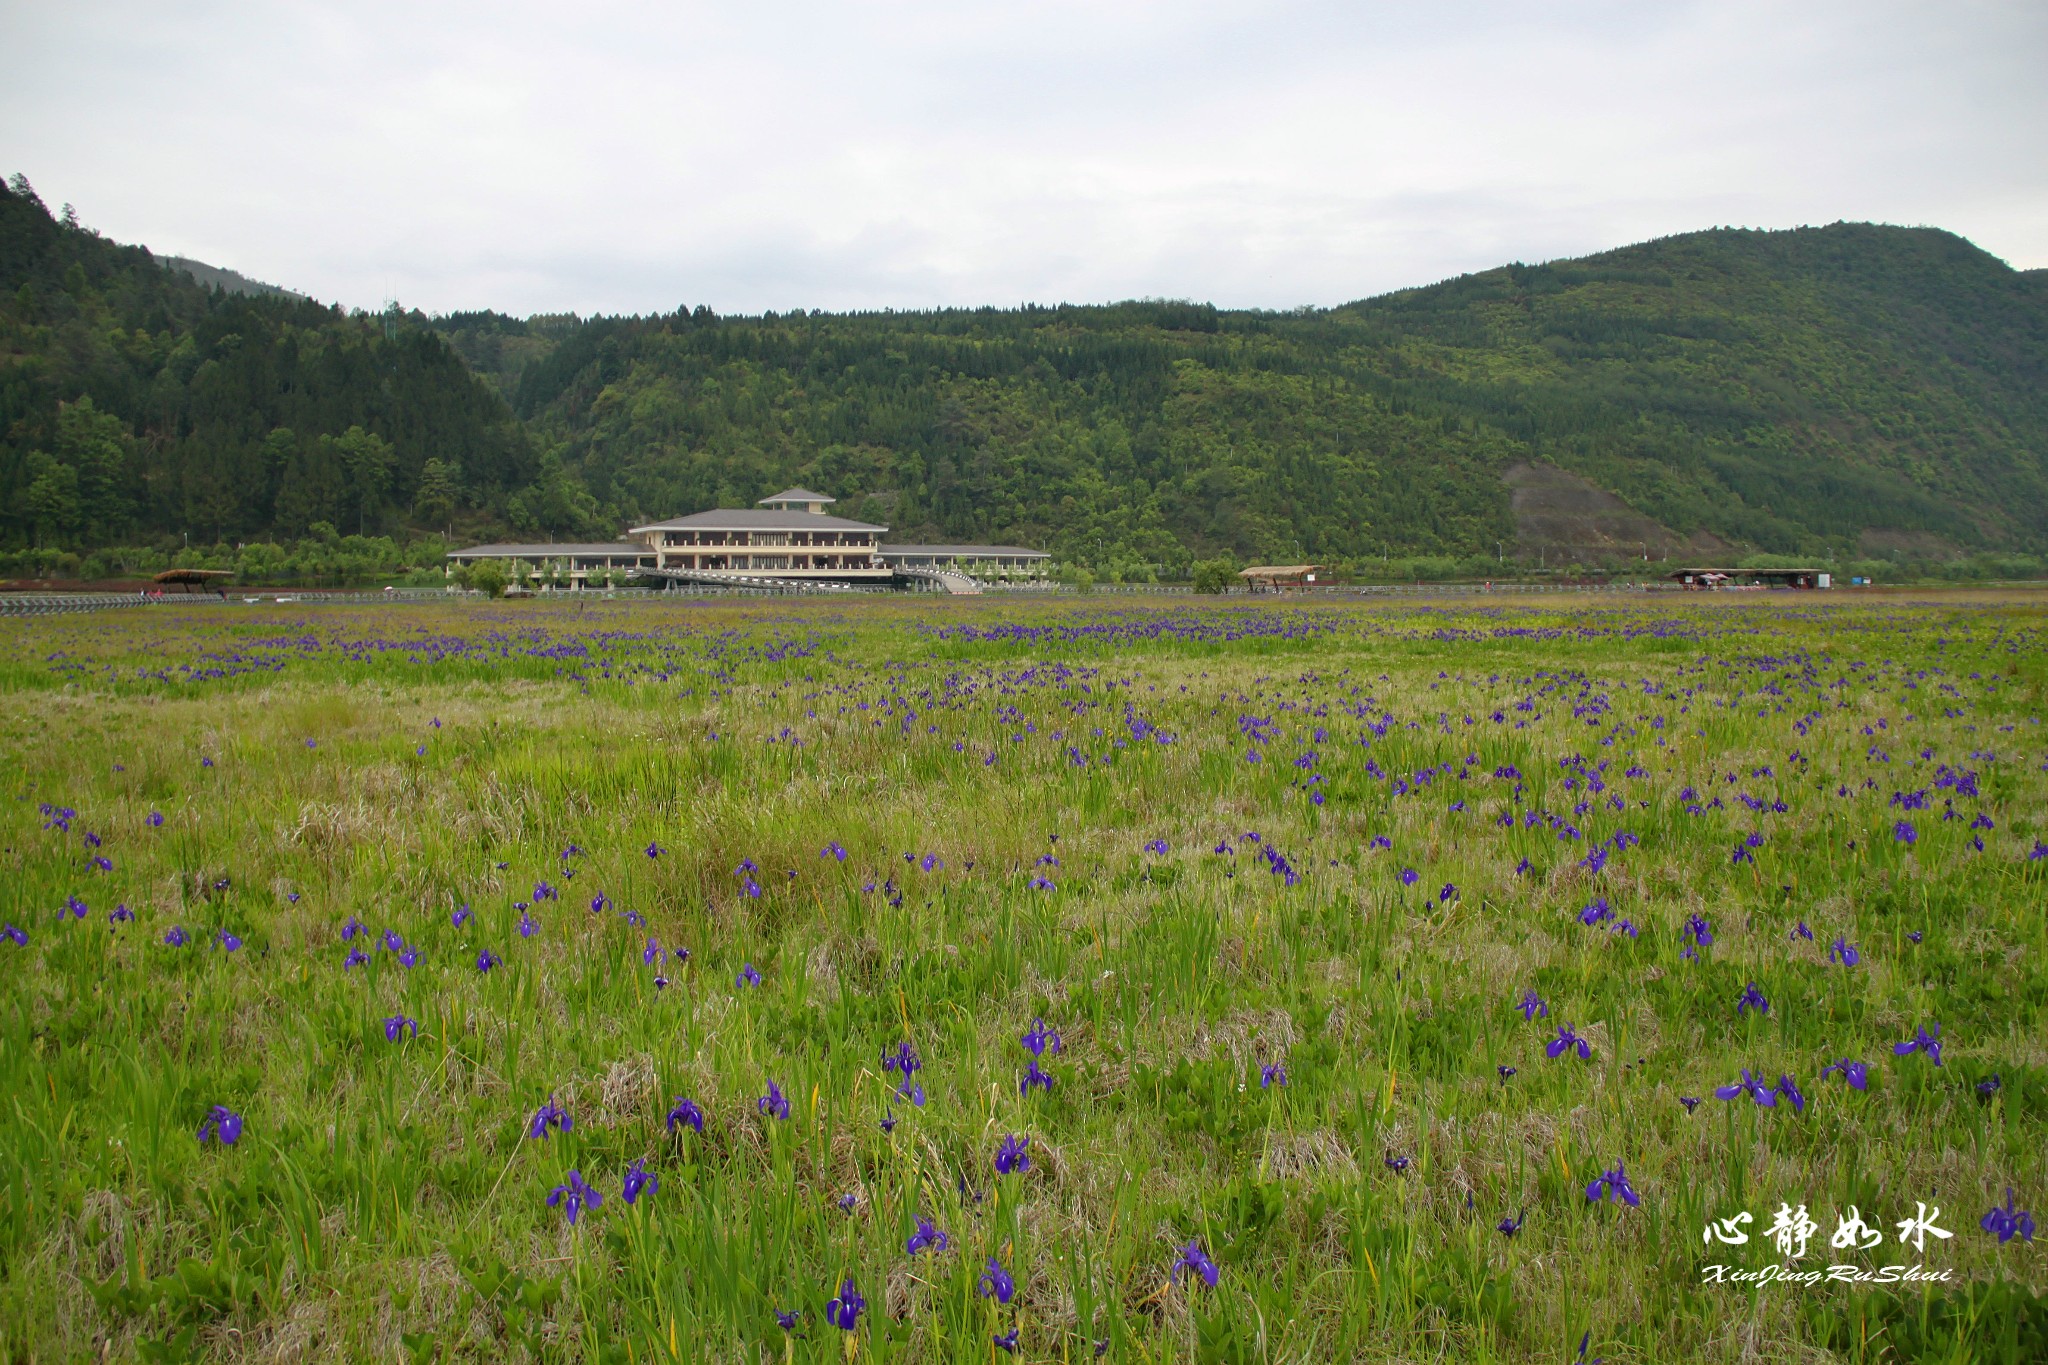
<point>1848,391</point>
<point>136,404</point>
<point>234,281</point>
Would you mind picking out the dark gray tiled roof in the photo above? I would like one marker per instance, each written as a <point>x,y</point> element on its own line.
<point>797,495</point>
<point>963,551</point>
<point>751,519</point>
<point>609,547</point>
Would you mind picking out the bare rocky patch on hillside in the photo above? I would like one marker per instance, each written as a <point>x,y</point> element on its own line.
<point>1564,518</point>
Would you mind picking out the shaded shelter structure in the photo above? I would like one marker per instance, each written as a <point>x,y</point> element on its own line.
<point>1697,580</point>
<point>1279,577</point>
<point>193,580</point>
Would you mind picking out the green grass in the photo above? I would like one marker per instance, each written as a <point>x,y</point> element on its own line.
<point>384,1201</point>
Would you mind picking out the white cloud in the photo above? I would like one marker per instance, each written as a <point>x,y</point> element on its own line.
<point>623,157</point>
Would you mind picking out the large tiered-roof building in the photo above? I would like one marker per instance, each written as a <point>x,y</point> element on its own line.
<point>788,539</point>
<point>787,536</point>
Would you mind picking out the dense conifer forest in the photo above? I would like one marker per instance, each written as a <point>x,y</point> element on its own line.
<point>1852,392</point>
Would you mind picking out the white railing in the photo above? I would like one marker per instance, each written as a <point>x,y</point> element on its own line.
<point>53,603</point>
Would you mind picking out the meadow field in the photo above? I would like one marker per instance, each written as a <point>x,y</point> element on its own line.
<point>927,980</point>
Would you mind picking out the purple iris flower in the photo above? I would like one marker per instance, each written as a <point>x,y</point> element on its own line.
<point>350,929</point>
<point>486,960</point>
<point>229,942</point>
<point>1565,1041</point>
<point>639,1181</point>
<point>460,917</point>
<point>1033,1075</point>
<point>222,1124</point>
<point>574,1196</point>
<point>1449,893</point>
<point>600,903</point>
<point>1508,1227</point>
<point>120,914</point>
<point>1752,999</point>
<point>787,1321</point>
<point>549,1115</point>
<point>685,1111</point>
<point>1748,1085</point>
<point>2007,1222</point>
<point>1397,1164</point>
<point>996,1282</point>
<point>176,937</point>
<point>904,1061</point>
<point>1856,1073</point>
<point>1505,1071</point>
<point>1409,876</point>
<point>75,907</point>
<point>1272,1074</point>
<point>356,958</point>
<point>1844,952</point>
<point>1613,1184</point>
<point>844,1311</point>
<point>651,954</point>
<point>154,819</point>
<point>1700,932</point>
<point>1800,930</point>
<point>748,976</point>
<point>1156,847</point>
<point>1532,1007</point>
<point>395,1027</point>
<point>1195,1261</point>
<point>1040,1039</point>
<point>654,850</point>
<point>528,925</point>
<point>1013,1155</point>
<point>774,1104</point>
<point>1904,833</point>
<point>1691,1102</point>
<point>1927,1039</point>
<point>18,936</point>
<point>1043,884</point>
<point>392,941</point>
<point>1790,1090</point>
<point>1006,1341</point>
<point>926,1238</point>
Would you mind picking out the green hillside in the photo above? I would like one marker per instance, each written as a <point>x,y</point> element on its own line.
<point>137,405</point>
<point>1845,391</point>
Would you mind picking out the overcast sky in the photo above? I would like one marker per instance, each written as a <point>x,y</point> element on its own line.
<point>602,157</point>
